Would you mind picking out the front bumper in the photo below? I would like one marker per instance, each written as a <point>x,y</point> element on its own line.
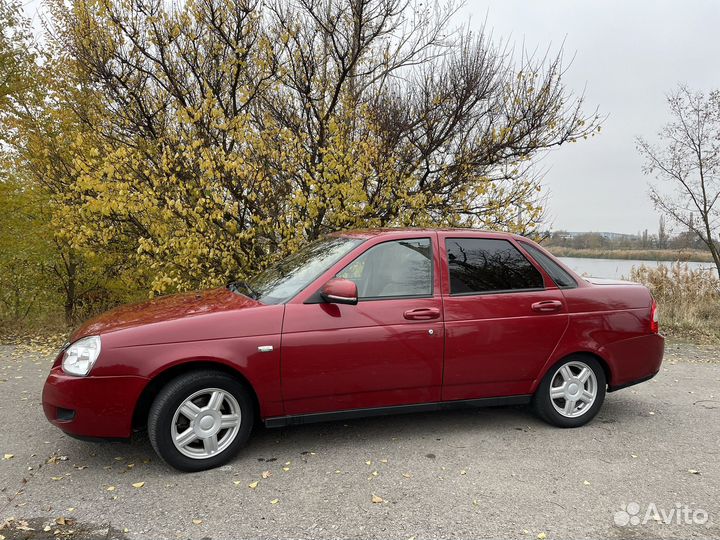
<point>93,407</point>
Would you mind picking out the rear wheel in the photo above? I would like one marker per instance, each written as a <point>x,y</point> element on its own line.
<point>200,420</point>
<point>572,392</point>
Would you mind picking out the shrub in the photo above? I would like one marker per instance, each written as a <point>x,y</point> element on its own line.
<point>688,300</point>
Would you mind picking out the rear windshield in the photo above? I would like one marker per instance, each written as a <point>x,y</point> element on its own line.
<point>561,278</point>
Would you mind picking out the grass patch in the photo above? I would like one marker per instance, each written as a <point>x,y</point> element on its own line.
<point>43,336</point>
<point>686,255</point>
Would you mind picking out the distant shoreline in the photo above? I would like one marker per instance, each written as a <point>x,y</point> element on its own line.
<point>666,255</point>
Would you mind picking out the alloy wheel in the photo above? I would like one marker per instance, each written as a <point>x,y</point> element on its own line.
<point>573,389</point>
<point>206,423</point>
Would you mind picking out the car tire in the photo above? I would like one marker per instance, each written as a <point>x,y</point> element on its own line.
<point>572,392</point>
<point>200,420</point>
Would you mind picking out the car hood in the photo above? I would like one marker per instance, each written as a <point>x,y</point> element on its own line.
<point>167,309</point>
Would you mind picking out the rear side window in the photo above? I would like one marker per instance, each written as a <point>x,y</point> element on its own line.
<point>479,265</point>
<point>561,278</point>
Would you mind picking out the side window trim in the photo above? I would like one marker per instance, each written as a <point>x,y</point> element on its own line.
<point>446,263</point>
<point>499,291</point>
<point>431,294</point>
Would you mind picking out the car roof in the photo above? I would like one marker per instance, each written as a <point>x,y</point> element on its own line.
<point>371,233</point>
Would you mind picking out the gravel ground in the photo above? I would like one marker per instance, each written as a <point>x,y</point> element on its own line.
<point>468,474</point>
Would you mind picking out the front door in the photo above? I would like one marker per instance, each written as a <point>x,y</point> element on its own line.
<point>503,318</point>
<point>386,350</point>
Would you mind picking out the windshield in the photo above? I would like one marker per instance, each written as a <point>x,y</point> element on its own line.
<point>283,281</point>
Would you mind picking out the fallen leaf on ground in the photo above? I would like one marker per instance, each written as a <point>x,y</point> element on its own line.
<point>197,521</point>
<point>138,484</point>
<point>286,469</point>
<point>275,501</point>
<point>368,463</point>
<point>542,536</point>
<point>56,478</point>
<point>266,474</point>
<point>586,483</point>
<point>111,488</point>
<point>693,471</point>
<point>253,485</point>
<point>237,482</point>
<point>23,526</point>
<point>377,500</point>
<point>407,475</point>
<point>8,456</point>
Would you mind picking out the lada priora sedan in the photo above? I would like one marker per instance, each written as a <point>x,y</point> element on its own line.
<point>360,323</point>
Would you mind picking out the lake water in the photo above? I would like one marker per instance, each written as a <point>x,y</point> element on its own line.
<point>618,268</point>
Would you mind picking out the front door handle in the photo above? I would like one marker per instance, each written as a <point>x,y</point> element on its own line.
<point>422,314</point>
<point>547,306</point>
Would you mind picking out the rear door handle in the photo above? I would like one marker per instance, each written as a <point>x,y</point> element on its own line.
<point>547,306</point>
<point>422,314</point>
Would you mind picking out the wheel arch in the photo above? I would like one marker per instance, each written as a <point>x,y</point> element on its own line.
<point>592,354</point>
<point>161,378</point>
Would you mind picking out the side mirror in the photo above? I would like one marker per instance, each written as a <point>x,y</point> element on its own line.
<point>340,291</point>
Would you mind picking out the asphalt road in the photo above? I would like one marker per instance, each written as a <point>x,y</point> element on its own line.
<point>468,474</point>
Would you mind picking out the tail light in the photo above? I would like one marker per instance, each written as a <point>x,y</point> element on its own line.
<point>654,320</point>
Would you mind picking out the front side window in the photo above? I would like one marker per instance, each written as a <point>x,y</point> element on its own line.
<point>480,265</point>
<point>400,268</point>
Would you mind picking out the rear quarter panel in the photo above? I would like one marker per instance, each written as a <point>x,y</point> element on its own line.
<point>613,322</point>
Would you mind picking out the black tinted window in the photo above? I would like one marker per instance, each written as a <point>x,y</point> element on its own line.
<point>482,265</point>
<point>393,269</point>
<point>554,270</point>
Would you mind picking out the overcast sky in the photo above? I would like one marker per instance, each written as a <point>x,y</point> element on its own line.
<point>629,54</point>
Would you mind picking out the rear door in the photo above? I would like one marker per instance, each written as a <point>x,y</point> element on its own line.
<point>503,316</point>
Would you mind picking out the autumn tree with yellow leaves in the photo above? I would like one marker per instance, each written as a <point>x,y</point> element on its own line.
<point>203,139</point>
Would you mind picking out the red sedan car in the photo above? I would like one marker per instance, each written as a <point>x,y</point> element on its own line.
<point>361,323</point>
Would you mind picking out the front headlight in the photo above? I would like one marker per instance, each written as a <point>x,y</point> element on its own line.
<point>80,357</point>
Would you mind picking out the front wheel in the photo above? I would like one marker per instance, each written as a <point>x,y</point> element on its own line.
<point>200,420</point>
<point>572,392</point>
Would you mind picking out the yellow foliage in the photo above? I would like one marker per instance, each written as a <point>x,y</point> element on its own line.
<point>178,150</point>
